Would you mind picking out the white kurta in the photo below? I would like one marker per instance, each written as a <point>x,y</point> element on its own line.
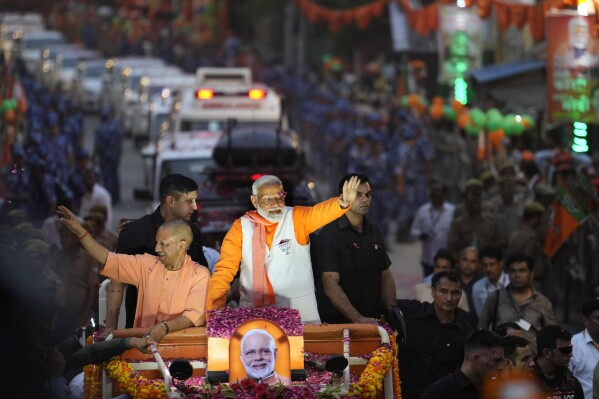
<point>288,267</point>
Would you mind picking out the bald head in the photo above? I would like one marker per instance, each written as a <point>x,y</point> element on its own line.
<point>179,230</point>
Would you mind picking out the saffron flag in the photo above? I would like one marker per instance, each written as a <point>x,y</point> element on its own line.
<point>568,214</point>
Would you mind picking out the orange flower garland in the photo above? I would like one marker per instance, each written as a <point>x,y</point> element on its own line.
<point>92,381</point>
<point>395,368</point>
<point>132,382</point>
<point>371,379</point>
<point>92,377</point>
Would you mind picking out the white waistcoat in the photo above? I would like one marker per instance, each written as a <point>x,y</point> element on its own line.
<point>288,267</point>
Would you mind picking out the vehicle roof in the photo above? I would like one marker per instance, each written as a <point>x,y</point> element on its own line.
<point>184,79</point>
<point>43,34</point>
<point>188,145</point>
<point>224,76</point>
<point>149,70</point>
<point>93,62</point>
<point>133,61</point>
<point>78,53</point>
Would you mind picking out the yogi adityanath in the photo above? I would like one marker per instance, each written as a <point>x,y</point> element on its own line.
<point>171,287</point>
<point>270,248</point>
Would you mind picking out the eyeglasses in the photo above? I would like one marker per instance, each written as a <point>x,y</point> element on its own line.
<point>271,199</point>
<point>263,352</point>
<point>566,350</point>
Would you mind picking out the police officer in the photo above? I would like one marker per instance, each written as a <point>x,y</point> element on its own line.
<point>378,167</point>
<point>107,148</point>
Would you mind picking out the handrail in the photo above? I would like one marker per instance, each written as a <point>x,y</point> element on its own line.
<point>162,367</point>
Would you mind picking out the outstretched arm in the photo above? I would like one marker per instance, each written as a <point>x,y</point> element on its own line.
<point>95,249</point>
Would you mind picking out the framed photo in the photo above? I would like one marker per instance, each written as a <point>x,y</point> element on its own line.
<point>259,349</point>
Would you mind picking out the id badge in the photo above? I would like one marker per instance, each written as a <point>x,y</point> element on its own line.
<point>524,324</point>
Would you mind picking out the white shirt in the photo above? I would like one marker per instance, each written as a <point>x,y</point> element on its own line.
<point>585,355</point>
<point>435,223</point>
<point>98,195</point>
<point>483,287</point>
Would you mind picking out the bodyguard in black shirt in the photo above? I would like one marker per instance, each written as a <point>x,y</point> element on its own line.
<point>554,346</point>
<point>178,195</point>
<point>483,358</point>
<point>355,284</point>
<point>435,335</point>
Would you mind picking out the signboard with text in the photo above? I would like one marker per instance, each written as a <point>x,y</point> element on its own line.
<point>572,68</point>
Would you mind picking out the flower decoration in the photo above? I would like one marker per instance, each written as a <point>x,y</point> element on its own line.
<point>132,382</point>
<point>223,322</point>
<point>371,380</point>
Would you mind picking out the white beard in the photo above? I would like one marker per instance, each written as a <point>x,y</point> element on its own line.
<point>273,218</point>
<point>259,374</point>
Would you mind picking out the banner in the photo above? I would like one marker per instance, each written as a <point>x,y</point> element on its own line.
<point>572,68</point>
<point>399,28</point>
<point>568,214</point>
<point>460,42</point>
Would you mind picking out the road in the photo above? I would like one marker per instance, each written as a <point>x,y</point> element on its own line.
<point>404,256</point>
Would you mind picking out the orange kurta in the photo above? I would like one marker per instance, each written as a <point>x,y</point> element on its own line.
<point>162,294</point>
<point>305,219</point>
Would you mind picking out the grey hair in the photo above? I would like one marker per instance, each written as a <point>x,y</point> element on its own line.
<point>265,180</point>
<point>260,331</point>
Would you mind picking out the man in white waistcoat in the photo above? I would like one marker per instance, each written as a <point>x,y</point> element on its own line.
<point>270,248</point>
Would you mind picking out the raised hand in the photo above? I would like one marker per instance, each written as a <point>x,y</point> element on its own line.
<point>350,190</point>
<point>68,218</point>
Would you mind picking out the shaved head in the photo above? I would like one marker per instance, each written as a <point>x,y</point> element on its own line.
<point>180,230</point>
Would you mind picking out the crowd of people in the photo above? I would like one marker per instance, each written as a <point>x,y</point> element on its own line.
<point>489,291</point>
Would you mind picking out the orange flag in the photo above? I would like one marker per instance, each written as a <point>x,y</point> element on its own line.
<point>568,214</point>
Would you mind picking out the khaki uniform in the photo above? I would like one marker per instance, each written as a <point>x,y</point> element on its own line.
<point>479,232</point>
<point>508,215</point>
<point>526,241</point>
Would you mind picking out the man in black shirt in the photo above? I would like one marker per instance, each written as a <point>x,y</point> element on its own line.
<point>483,356</point>
<point>178,195</point>
<point>435,335</point>
<point>554,346</point>
<point>355,284</point>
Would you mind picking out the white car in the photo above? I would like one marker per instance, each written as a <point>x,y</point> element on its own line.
<point>131,78</point>
<point>112,76</point>
<point>87,84</point>
<point>64,69</point>
<point>15,24</point>
<point>29,45</point>
<point>155,94</point>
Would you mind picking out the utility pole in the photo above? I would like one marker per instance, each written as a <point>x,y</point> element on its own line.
<point>288,27</point>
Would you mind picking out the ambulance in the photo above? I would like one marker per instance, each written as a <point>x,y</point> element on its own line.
<point>224,94</point>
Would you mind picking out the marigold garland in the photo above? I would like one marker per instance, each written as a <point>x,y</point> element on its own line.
<point>92,377</point>
<point>132,382</point>
<point>395,368</point>
<point>371,379</point>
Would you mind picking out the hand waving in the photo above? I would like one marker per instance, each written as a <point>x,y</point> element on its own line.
<point>68,218</point>
<point>350,190</point>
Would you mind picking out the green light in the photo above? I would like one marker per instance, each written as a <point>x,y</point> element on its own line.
<point>579,141</point>
<point>580,148</point>
<point>461,90</point>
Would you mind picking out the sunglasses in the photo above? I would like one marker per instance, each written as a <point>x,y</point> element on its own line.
<point>566,350</point>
